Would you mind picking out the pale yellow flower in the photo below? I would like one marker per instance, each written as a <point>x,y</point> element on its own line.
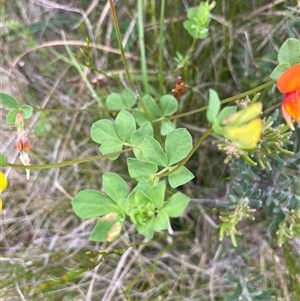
<point>3,185</point>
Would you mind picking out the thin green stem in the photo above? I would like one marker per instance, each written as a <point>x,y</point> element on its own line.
<point>143,56</point>
<point>183,162</point>
<point>67,163</point>
<point>75,110</point>
<point>226,100</point>
<point>160,48</point>
<point>118,33</point>
<point>142,46</point>
<point>186,58</point>
<point>201,139</point>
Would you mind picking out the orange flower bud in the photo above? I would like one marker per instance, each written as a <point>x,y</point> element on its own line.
<point>287,118</point>
<point>291,108</point>
<point>289,83</point>
<point>291,104</point>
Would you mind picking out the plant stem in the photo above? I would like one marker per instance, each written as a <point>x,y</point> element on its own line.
<point>201,139</point>
<point>182,163</point>
<point>67,163</point>
<point>118,33</point>
<point>143,56</point>
<point>142,47</point>
<point>226,100</point>
<point>160,48</point>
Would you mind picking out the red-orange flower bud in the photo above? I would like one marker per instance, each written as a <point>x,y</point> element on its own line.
<point>289,84</point>
<point>289,81</point>
<point>291,104</point>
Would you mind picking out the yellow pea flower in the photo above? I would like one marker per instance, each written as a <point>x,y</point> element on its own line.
<point>243,116</point>
<point>245,137</point>
<point>3,185</point>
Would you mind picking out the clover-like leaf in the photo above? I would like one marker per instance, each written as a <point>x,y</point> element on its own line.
<point>27,111</point>
<point>129,98</point>
<point>157,194</point>
<point>176,204</point>
<point>139,169</point>
<point>178,145</point>
<point>9,101</point>
<point>153,152</point>
<point>125,125</point>
<point>146,228</point>
<point>279,70</point>
<point>192,13</point>
<point>140,117</point>
<point>142,185</point>
<point>168,105</point>
<point>151,106</point>
<point>11,116</point>
<point>289,52</point>
<point>167,127</point>
<point>180,177</point>
<point>102,130</point>
<point>92,203</point>
<point>162,221</point>
<point>111,145</point>
<point>125,100</point>
<point>114,186</point>
<point>138,136</point>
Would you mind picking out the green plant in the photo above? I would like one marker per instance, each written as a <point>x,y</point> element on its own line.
<point>198,20</point>
<point>159,154</point>
<point>246,289</point>
<point>145,128</point>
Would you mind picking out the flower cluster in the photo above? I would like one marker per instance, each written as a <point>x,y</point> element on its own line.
<point>258,141</point>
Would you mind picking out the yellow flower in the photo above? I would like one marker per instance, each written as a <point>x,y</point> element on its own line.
<point>244,128</point>
<point>243,116</point>
<point>3,185</point>
<point>246,136</point>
